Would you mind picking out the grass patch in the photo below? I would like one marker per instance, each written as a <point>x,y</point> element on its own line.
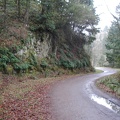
<point>98,71</point>
<point>110,84</point>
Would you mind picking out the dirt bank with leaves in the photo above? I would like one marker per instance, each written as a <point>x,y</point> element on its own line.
<point>25,98</point>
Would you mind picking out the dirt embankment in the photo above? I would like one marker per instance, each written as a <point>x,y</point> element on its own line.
<point>25,98</point>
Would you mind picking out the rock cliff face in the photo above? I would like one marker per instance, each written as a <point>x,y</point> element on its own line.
<point>37,45</point>
<point>50,54</point>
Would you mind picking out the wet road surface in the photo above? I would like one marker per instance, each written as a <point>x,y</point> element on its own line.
<point>78,99</point>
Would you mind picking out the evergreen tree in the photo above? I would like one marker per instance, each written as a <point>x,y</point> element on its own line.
<point>113,45</point>
<point>113,41</point>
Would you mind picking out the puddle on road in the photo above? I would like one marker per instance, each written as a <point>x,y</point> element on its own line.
<point>106,103</point>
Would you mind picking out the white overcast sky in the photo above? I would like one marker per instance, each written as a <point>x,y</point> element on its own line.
<point>105,17</point>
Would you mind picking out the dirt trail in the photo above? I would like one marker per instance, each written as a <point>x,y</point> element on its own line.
<point>70,100</point>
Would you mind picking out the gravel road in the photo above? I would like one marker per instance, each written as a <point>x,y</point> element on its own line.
<point>72,99</point>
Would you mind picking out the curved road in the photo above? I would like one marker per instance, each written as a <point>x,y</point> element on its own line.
<point>71,99</point>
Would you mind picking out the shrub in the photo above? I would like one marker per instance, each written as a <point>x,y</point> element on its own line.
<point>113,82</point>
<point>44,64</point>
<point>22,67</point>
<point>9,62</point>
<point>9,69</point>
<point>32,60</point>
<point>7,59</point>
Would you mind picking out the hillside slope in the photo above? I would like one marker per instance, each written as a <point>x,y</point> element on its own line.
<point>40,36</point>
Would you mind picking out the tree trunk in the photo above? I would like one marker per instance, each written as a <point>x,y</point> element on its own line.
<point>4,7</point>
<point>26,17</point>
<point>18,7</point>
